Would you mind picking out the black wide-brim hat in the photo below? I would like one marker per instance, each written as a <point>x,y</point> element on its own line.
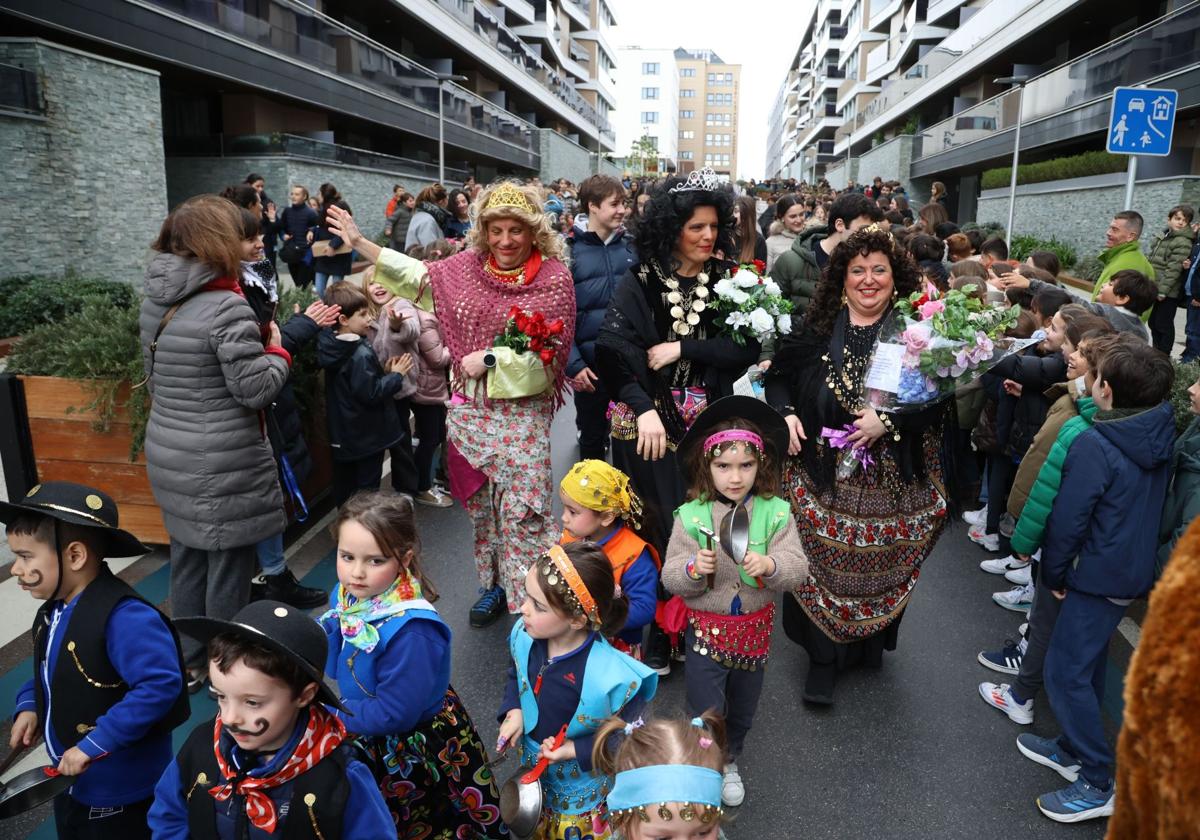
<point>769,422</point>
<point>77,504</point>
<point>278,627</point>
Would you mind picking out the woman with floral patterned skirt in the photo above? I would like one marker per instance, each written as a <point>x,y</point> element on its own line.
<point>502,401</point>
<point>867,535</point>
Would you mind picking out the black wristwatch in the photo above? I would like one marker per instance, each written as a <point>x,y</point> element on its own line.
<point>489,359</point>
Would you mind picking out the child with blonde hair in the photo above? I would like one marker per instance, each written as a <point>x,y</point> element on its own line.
<point>667,776</point>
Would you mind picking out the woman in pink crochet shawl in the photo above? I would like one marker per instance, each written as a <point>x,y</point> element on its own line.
<point>498,428</point>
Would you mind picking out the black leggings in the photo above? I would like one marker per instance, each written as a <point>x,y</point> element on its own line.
<point>431,433</point>
<point>1162,324</point>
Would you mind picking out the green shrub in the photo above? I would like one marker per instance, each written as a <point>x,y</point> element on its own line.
<point>102,342</point>
<point>1185,374</point>
<point>988,229</point>
<point>98,342</point>
<point>30,301</point>
<point>1089,268</point>
<point>1075,166</point>
<point>1022,246</point>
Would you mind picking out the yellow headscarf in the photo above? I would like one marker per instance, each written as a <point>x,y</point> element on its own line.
<point>599,486</point>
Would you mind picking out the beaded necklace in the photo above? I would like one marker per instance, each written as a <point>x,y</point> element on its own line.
<point>686,308</point>
<point>846,381</point>
<point>516,276</point>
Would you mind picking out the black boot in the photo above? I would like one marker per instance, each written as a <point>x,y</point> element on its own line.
<point>818,686</point>
<point>284,587</point>
<point>657,655</point>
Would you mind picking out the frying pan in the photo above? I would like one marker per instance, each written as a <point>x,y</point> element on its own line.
<point>27,790</point>
<point>735,540</point>
<point>521,797</point>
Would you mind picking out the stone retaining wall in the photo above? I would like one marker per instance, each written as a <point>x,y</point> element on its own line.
<point>84,182</point>
<point>1077,212</point>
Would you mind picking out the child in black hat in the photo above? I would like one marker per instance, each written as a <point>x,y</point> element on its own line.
<point>732,455</point>
<point>95,695</point>
<point>274,762</point>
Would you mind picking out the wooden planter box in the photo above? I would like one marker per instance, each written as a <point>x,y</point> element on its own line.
<point>67,448</point>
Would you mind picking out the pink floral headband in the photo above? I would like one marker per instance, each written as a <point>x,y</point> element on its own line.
<point>712,444</point>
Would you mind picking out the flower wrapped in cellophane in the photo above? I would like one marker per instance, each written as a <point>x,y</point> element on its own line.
<point>753,304</point>
<point>932,344</point>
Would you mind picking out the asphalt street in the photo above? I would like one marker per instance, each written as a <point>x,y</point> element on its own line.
<point>909,751</point>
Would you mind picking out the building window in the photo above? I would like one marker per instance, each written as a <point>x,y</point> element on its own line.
<point>710,98</point>
<point>687,135</point>
<point>649,116</point>
<point>687,72</point>
<point>687,155</point>
<point>687,115</point>
<point>728,78</point>
<point>652,140</point>
<point>712,78</point>
<point>687,93</point>
<point>649,93</point>
<point>649,68</point>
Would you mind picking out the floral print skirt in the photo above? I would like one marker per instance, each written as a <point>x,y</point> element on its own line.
<point>866,538</point>
<point>435,778</point>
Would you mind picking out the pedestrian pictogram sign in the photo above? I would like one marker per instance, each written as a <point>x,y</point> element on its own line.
<point>1142,121</point>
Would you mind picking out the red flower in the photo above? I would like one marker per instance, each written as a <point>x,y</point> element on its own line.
<point>547,356</point>
<point>556,326</point>
<point>514,312</point>
<point>535,344</point>
<point>760,267</point>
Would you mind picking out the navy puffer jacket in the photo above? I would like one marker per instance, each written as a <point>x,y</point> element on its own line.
<point>1102,535</point>
<point>596,267</point>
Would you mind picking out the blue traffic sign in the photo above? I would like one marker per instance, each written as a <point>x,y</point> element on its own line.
<point>1142,121</point>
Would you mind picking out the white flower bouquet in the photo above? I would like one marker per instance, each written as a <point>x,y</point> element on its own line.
<point>753,304</point>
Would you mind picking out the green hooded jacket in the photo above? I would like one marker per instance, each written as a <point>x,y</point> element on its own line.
<point>796,271</point>
<point>1183,493</point>
<point>1031,526</point>
<point>1167,253</point>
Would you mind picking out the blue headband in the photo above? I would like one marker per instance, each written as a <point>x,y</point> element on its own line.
<point>661,783</point>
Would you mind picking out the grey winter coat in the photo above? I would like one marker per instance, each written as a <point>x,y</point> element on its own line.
<point>209,461</point>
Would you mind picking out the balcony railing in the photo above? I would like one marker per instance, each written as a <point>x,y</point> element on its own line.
<point>1169,43</point>
<point>508,43</point>
<point>297,31</point>
<point>293,145</point>
<point>19,90</point>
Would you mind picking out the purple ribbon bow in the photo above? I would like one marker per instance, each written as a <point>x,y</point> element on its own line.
<point>840,439</point>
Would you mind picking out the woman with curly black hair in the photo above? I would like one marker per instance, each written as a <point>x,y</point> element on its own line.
<point>660,351</point>
<point>866,536</point>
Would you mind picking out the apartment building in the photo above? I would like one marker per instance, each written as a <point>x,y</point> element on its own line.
<point>910,89</point>
<point>708,111</point>
<point>186,97</point>
<point>648,90</point>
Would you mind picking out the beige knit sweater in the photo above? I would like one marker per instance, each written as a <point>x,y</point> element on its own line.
<point>785,549</point>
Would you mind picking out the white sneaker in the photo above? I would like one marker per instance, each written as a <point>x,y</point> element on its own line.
<point>990,542</point>
<point>1000,565</point>
<point>975,518</point>
<point>1021,576</point>
<point>1000,697</point>
<point>1018,599</point>
<point>733,792</point>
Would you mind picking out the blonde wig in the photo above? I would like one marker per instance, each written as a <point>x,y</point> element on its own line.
<point>527,211</point>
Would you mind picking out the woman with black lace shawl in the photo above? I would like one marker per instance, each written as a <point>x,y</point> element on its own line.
<point>866,536</point>
<point>660,351</point>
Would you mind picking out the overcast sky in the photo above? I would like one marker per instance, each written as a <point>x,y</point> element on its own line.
<point>760,35</point>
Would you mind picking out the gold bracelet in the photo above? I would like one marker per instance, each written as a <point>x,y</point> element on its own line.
<point>887,424</point>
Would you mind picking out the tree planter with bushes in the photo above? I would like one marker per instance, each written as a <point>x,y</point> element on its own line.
<point>87,417</point>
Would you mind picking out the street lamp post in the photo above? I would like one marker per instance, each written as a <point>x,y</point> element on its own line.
<point>442,78</point>
<point>1019,81</point>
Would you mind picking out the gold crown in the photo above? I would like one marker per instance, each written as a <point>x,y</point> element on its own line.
<point>509,195</point>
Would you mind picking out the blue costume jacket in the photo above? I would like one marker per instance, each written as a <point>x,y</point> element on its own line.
<point>583,687</point>
<point>399,684</point>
